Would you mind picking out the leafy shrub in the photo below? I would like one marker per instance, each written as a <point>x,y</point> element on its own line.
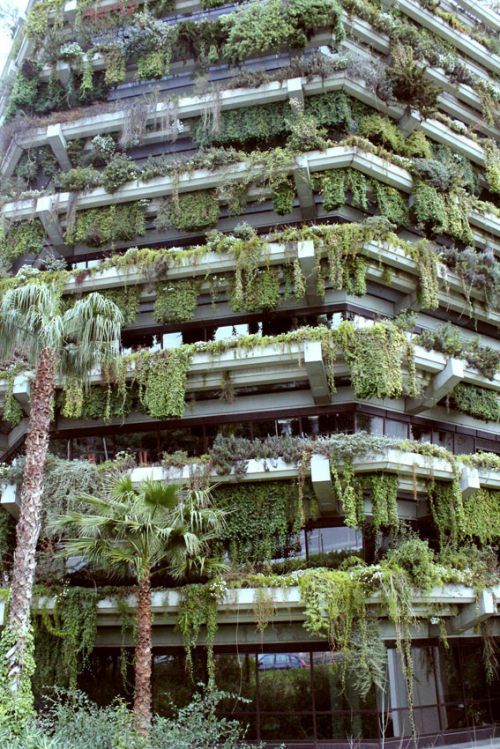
<point>121,169</point>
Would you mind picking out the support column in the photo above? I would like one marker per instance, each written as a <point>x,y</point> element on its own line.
<point>316,373</point>
<point>302,179</point>
<point>442,384</point>
<point>57,142</point>
<point>321,479</point>
<point>307,258</point>
<point>47,215</point>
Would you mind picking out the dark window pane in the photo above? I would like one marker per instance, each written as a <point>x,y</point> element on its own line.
<point>443,438</point>
<point>370,424</point>
<point>171,684</point>
<point>421,434</point>
<point>396,429</point>
<point>464,444</point>
<point>339,538</point>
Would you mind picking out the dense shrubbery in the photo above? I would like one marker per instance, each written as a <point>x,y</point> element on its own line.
<point>74,722</point>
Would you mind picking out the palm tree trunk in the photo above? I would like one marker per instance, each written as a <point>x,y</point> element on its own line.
<point>28,526</point>
<point>143,658</point>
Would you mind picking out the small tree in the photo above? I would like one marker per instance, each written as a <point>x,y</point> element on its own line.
<point>56,343</point>
<point>140,531</point>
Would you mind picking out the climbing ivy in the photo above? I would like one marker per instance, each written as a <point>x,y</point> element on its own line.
<point>176,301</point>
<point>100,226</point>
<point>197,609</point>
<point>476,401</point>
<point>260,519</point>
<point>189,212</point>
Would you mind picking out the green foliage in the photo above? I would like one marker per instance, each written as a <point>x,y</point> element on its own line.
<point>383,489</point>
<point>283,197</point>
<point>260,519</point>
<point>238,126</point>
<point>482,516</point>
<point>382,131</point>
<point>261,293</point>
<point>430,207</point>
<point>408,81</point>
<point>7,538</point>
<point>257,28</point>
<point>447,508</point>
<point>492,153</point>
<point>176,301</point>
<point>448,340</point>
<point>475,401</point>
<point>23,238</point>
<point>12,411</point>
<point>118,171</point>
<point>100,226</point>
<point>16,709</point>
<point>80,178</point>
<point>114,56</point>
<point>375,356</point>
<point>197,609</point>
<point>391,204</point>
<point>189,212</point>
<point>162,380</point>
<point>73,621</point>
<point>35,163</point>
<point>417,145</point>
<point>127,300</point>
<point>427,263</point>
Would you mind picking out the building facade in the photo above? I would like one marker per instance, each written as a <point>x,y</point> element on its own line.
<point>294,205</point>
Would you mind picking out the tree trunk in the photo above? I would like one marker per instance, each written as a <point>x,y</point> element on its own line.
<point>28,526</point>
<point>143,657</point>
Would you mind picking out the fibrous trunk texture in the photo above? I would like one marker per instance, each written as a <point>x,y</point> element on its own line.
<point>142,697</point>
<point>28,526</point>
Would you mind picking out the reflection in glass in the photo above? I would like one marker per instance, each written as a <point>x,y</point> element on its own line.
<point>339,538</point>
<point>285,683</point>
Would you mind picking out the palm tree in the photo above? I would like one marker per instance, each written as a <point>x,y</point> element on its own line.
<point>135,531</point>
<point>56,343</point>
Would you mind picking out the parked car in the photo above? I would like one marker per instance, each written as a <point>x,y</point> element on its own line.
<point>281,661</point>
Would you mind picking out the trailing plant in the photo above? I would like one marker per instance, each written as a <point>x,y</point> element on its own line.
<point>375,356</point>
<point>22,238</point>
<point>12,411</point>
<point>283,197</point>
<point>260,520</point>
<point>429,207</point>
<point>476,401</point>
<point>492,153</point>
<point>100,226</point>
<point>79,178</point>
<point>482,516</point>
<point>127,300</point>
<point>176,301</point>
<point>197,609</point>
<point>73,619</point>
<point>448,340</point>
<point>162,380</point>
<point>189,212</point>
<point>383,488</point>
<point>382,131</point>
<point>423,254</point>
<point>117,172</point>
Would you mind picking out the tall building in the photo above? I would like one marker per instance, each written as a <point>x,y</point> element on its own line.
<point>293,203</point>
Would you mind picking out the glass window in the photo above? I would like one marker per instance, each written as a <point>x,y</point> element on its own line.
<point>337,538</point>
<point>171,684</point>
<point>370,424</point>
<point>464,444</point>
<point>396,429</point>
<point>340,713</point>
<point>285,698</point>
<point>443,438</point>
<point>421,434</point>
<point>288,427</point>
